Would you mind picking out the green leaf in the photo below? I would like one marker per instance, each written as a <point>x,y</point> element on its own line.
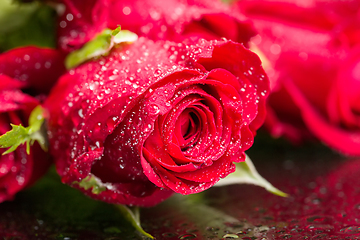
<point>100,45</point>
<point>91,182</point>
<point>246,173</point>
<point>15,137</point>
<point>26,135</point>
<point>124,36</point>
<point>133,216</point>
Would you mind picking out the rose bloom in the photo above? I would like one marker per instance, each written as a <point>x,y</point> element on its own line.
<point>312,49</point>
<point>33,70</point>
<point>154,118</point>
<point>155,19</point>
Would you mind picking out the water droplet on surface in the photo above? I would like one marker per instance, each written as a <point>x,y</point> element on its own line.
<point>169,235</point>
<point>188,236</point>
<point>350,230</point>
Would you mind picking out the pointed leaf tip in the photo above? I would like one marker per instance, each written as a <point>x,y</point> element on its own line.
<point>246,173</point>
<point>133,216</point>
<point>116,31</point>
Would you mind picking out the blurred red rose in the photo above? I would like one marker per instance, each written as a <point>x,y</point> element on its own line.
<point>17,169</point>
<point>33,70</point>
<point>80,21</point>
<point>312,48</point>
<point>37,68</point>
<point>179,19</point>
<point>156,19</point>
<point>151,119</point>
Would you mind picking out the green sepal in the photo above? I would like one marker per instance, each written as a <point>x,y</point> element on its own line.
<point>91,182</point>
<point>37,129</point>
<point>246,173</point>
<point>100,45</point>
<point>26,135</point>
<point>133,216</point>
<point>15,137</point>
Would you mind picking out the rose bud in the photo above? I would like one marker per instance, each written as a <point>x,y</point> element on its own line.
<point>153,118</point>
<point>33,70</point>
<point>156,19</point>
<point>313,65</point>
<point>17,169</point>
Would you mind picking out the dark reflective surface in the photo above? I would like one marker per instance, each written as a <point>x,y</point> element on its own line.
<point>324,203</point>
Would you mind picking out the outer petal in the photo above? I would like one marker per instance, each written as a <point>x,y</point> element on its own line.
<point>345,141</point>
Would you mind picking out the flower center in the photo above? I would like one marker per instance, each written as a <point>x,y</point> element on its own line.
<point>187,128</point>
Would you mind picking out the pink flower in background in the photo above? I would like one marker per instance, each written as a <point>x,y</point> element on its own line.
<point>179,19</point>
<point>151,119</point>
<point>80,21</point>
<point>173,20</point>
<point>312,49</point>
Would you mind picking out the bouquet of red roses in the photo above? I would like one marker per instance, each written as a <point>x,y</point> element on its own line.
<point>139,100</point>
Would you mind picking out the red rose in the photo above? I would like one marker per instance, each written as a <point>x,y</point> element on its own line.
<point>155,19</point>
<point>314,66</point>
<point>17,169</point>
<point>151,119</point>
<point>34,70</point>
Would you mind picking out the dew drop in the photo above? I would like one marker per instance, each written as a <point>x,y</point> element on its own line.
<point>188,236</point>
<point>126,10</point>
<point>157,72</point>
<point>69,17</point>
<point>80,112</point>
<point>63,24</point>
